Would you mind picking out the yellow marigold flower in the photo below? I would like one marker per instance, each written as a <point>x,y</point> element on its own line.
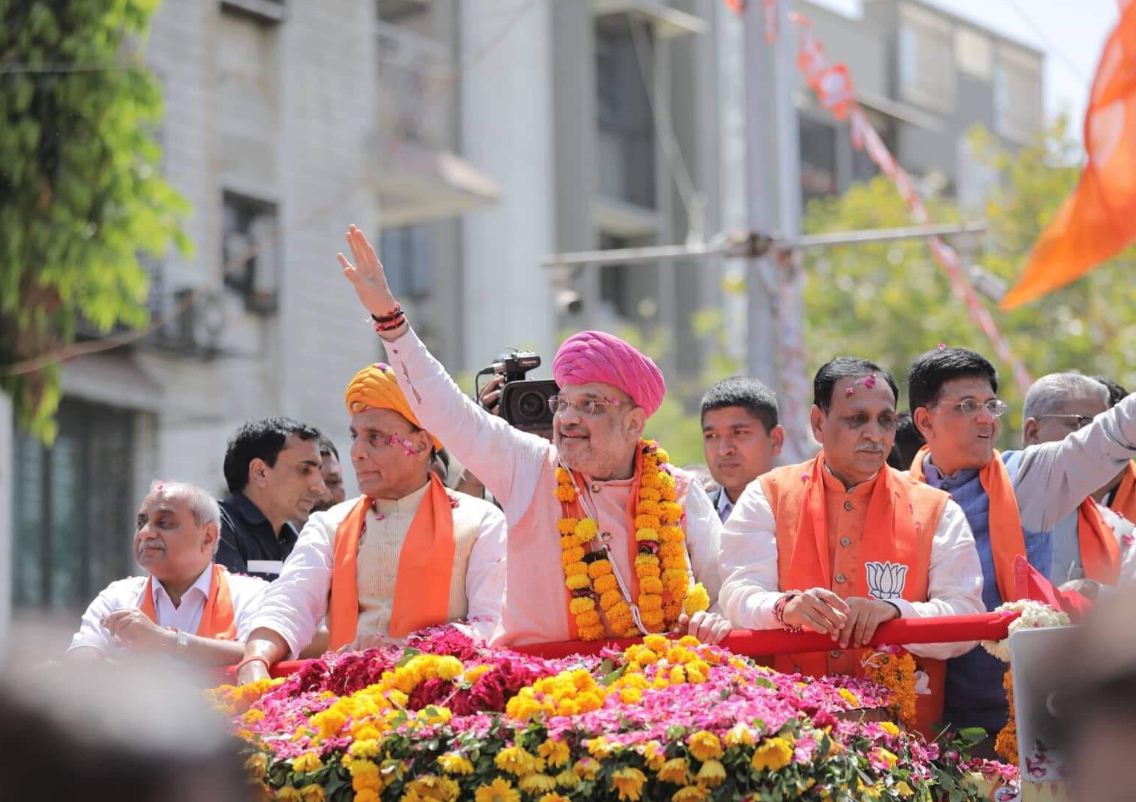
<point>577,581</point>
<point>565,493</point>
<point>649,493</point>
<point>647,521</point>
<point>606,583</point>
<point>690,793</point>
<point>677,676</point>
<point>538,784</point>
<point>671,534</point>
<point>888,757</point>
<point>587,529</point>
<point>307,762</point>
<point>646,559</point>
<point>773,754</point>
<point>661,455</point>
<point>609,599</point>
<point>312,793</point>
<point>567,779</point>
<point>647,508</point>
<point>630,696</point>
<point>554,798</point>
<point>588,619</point>
<point>587,768</point>
<point>581,604</point>
<point>515,760</point>
<point>651,480</point>
<point>850,697</point>
<point>500,790</point>
<point>591,633</point>
<point>252,716</point>
<point>599,747</point>
<point>566,526</point>
<point>705,745</point>
<point>572,555</point>
<point>257,764</point>
<point>574,569</point>
<point>697,599</point>
<point>562,476</point>
<point>599,568</point>
<point>367,795</point>
<point>628,782</point>
<point>741,734</point>
<point>328,722</point>
<point>556,753</point>
<point>646,534</point>
<point>903,789</point>
<point>654,754</point>
<point>889,727</point>
<point>675,771</point>
<point>712,773</point>
<point>364,748</point>
<point>455,764</point>
<point>289,794</point>
<point>657,643</point>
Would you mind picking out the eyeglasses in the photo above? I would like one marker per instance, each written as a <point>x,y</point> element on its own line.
<point>590,407</point>
<point>995,406</point>
<point>1078,421</point>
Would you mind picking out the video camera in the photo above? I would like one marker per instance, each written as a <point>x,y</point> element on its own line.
<point>524,402</point>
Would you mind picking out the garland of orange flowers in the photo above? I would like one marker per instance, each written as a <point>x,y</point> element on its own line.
<point>660,564</point>
<point>895,670</point>
<point>1006,744</point>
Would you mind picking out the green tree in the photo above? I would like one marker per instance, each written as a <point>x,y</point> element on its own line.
<point>81,198</point>
<point>891,301</point>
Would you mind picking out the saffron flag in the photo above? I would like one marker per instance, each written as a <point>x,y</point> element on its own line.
<point>1099,220</point>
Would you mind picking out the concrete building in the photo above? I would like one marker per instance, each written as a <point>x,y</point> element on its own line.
<point>469,139</point>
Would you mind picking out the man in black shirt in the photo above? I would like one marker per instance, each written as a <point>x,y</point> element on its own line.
<point>272,468</point>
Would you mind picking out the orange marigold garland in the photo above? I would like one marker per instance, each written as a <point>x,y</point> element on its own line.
<point>894,668</point>
<point>1006,744</point>
<point>660,564</point>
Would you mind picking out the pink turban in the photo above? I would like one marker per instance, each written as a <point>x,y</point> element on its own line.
<point>595,356</point>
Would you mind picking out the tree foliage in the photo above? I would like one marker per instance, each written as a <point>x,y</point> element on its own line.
<point>891,302</point>
<point>81,199</point>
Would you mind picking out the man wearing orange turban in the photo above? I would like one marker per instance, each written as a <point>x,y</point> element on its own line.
<point>406,554</point>
<point>606,539</point>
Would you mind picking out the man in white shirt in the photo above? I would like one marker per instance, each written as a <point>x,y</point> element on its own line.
<point>405,555</point>
<point>188,606</point>
<point>605,538</point>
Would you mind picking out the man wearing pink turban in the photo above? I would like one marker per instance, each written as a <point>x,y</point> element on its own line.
<point>606,539</point>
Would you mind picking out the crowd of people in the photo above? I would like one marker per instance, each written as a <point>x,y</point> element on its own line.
<point>590,532</point>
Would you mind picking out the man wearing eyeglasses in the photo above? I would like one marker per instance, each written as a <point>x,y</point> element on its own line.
<point>1012,500</point>
<point>605,539</point>
<point>1086,545</point>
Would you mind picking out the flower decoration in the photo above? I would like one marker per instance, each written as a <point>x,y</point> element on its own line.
<point>443,719</point>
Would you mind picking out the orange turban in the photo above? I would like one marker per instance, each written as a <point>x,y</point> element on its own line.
<point>375,387</point>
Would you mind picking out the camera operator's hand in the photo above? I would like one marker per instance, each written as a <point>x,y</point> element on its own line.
<point>366,275</point>
<point>491,394</point>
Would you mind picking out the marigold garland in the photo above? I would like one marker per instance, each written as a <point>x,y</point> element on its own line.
<point>1006,744</point>
<point>661,565</point>
<point>895,670</point>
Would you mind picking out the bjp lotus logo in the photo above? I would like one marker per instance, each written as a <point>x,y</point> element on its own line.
<point>886,580</point>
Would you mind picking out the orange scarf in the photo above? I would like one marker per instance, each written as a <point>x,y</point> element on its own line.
<point>1124,500</point>
<point>425,564</point>
<point>1100,553</point>
<point>1005,522</point>
<point>217,619</point>
<point>889,532</point>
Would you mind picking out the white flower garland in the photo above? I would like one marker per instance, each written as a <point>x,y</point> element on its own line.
<point>1034,615</point>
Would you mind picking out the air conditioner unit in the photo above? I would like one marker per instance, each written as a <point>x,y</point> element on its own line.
<point>192,322</point>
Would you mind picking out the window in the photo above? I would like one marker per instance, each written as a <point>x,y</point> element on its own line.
<point>974,53</point>
<point>407,260</point>
<point>926,60</point>
<point>623,112</point>
<point>1017,94</point>
<point>250,251</point>
<point>271,11</point>
<point>73,510</point>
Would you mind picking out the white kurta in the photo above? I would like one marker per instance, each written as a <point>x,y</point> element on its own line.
<point>751,588</point>
<point>520,470</point>
<point>297,601</point>
<point>123,594</point>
